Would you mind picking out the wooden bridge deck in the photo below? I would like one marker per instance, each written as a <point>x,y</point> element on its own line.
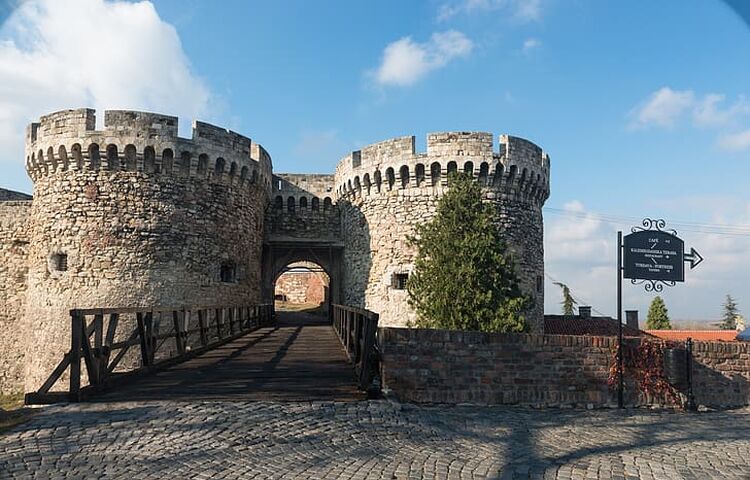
<point>299,358</point>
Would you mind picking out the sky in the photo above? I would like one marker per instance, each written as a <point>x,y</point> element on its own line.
<point>642,106</point>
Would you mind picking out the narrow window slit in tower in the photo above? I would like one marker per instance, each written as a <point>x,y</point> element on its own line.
<point>399,281</point>
<point>60,262</point>
<point>228,272</point>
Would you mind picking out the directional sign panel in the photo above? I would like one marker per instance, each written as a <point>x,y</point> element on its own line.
<point>654,255</point>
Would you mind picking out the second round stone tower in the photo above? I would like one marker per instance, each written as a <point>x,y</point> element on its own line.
<point>386,189</point>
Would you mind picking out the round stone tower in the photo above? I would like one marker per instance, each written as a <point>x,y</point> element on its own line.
<point>385,189</point>
<point>133,215</point>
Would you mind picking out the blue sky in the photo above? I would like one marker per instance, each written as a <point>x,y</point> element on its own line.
<point>641,105</point>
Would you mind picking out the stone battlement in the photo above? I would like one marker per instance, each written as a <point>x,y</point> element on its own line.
<point>518,166</point>
<point>303,189</point>
<point>143,142</point>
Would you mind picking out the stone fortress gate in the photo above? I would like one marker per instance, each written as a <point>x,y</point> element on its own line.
<point>133,215</point>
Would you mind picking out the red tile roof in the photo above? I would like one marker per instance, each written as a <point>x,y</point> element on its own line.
<point>699,335</point>
<point>595,326</point>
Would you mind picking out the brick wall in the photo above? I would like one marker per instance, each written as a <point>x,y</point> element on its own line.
<point>301,287</point>
<point>439,366</point>
<point>721,373</point>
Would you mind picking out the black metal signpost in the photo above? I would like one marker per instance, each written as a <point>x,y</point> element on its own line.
<point>650,255</point>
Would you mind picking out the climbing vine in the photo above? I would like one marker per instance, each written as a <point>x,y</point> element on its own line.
<point>643,364</point>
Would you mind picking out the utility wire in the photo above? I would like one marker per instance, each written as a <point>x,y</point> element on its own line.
<point>578,300</point>
<point>695,227</point>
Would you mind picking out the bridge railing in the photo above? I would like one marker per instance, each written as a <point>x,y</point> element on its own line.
<point>357,329</point>
<point>103,340</point>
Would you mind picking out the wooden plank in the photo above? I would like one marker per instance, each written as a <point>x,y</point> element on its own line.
<point>92,363</point>
<point>202,326</point>
<point>218,319</point>
<point>145,344</point>
<point>179,341</point>
<point>56,374</point>
<point>187,316</point>
<point>76,336</point>
<point>134,310</point>
<point>98,330</point>
<point>121,353</point>
<point>114,319</point>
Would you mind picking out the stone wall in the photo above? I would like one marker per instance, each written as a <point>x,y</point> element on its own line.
<point>302,287</point>
<point>722,373</point>
<point>439,366</point>
<point>303,207</point>
<point>14,247</point>
<point>141,217</point>
<point>386,189</point>
<point>10,195</point>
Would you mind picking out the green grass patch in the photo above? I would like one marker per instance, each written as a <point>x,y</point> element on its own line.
<point>12,411</point>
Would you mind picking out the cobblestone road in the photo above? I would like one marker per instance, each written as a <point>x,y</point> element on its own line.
<point>376,439</point>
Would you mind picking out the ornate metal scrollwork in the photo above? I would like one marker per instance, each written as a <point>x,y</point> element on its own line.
<point>653,285</point>
<point>656,224</point>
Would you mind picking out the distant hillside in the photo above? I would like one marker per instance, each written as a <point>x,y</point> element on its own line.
<point>704,324</point>
<point>8,195</point>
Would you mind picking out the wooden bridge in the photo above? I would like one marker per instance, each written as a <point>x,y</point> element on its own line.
<point>250,353</point>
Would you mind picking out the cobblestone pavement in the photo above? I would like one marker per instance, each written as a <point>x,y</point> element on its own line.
<point>376,439</point>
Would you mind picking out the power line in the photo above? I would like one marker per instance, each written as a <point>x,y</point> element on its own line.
<point>685,226</point>
<point>578,300</point>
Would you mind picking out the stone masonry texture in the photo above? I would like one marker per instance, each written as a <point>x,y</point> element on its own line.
<point>439,366</point>
<point>302,287</point>
<point>386,189</point>
<point>134,215</point>
<point>14,247</point>
<point>372,440</point>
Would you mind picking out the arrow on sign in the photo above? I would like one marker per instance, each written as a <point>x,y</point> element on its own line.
<point>693,257</point>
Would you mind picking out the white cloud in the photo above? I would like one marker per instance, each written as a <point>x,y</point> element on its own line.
<point>405,61</point>
<point>735,141</point>
<point>663,108</point>
<point>667,108</point>
<point>580,251</point>
<point>709,113</point>
<point>525,10</point>
<point>93,53</point>
<point>574,240</point>
<point>531,44</point>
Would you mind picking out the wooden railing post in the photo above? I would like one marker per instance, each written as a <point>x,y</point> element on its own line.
<point>141,326</point>
<point>76,336</point>
<point>179,341</point>
<point>202,327</point>
<point>218,318</point>
<point>187,316</point>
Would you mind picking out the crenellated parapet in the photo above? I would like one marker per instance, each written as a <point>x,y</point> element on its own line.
<point>303,191</point>
<point>143,142</point>
<point>518,168</point>
<point>303,206</point>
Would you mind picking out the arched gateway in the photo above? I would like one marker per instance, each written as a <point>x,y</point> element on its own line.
<point>303,224</point>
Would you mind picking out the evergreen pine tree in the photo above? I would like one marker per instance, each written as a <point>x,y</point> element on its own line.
<point>568,302</point>
<point>658,316</point>
<point>464,277</point>
<point>729,319</point>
